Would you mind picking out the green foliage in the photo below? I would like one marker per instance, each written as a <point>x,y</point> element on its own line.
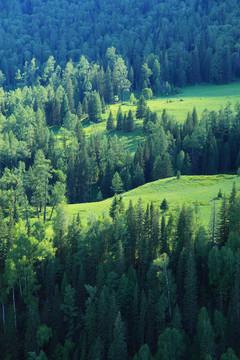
<point>147,93</point>
<point>141,107</point>
<point>229,355</point>
<point>171,345</point>
<point>205,334</point>
<point>128,279</point>
<point>164,205</point>
<point>94,107</point>
<point>117,184</point>
<point>110,122</point>
<point>43,335</point>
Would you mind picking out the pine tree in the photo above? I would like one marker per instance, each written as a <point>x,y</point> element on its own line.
<point>131,76</point>
<point>108,86</point>
<point>103,105</point>
<point>10,344</point>
<point>223,220</point>
<point>79,110</point>
<point>162,167</point>
<point>119,119</point>
<point>144,353</point>
<point>95,107</point>
<point>229,355</point>
<point>138,177</point>
<point>141,107</point>
<point>70,92</point>
<point>195,67</point>
<point>117,185</point>
<point>142,319</point>
<point>233,194</point>
<point>118,349</point>
<point>65,107</point>
<point>85,105</point>
<point>164,205</point>
<point>166,75</point>
<point>157,168</point>
<point>110,123</point>
<point>79,132</point>
<point>70,310</point>
<point>190,294</point>
<point>163,238</point>
<point>205,334</point>
<point>33,322</point>
<point>171,345</point>
<point>194,117</point>
<point>129,122</point>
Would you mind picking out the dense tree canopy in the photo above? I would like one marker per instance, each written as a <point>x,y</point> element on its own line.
<point>179,42</point>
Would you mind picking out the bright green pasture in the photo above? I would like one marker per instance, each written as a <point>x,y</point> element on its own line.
<point>211,97</point>
<point>191,190</point>
<point>130,139</point>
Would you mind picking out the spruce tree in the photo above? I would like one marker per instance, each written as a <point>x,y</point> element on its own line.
<point>164,205</point>
<point>171,345</point>
<point>110,123</point>
<point>130,122</point>
<point>79,110</point>
<point>118,349</point>
<point>223,222</point>
<point>229,355</point>
<point>194,117</point>
<point>205,335</point>
<point>108,86</point>
<point>95,107</point>
<point>141,107</point>
<point>117,185</point>
<point>190,294</point>
<point>163,237</point>
<point>119,119</point>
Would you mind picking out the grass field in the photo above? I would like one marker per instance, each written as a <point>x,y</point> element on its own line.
<point>211,97</point>
<point>191,190</point>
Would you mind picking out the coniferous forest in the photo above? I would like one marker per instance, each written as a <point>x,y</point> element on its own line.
<point>140,282</point>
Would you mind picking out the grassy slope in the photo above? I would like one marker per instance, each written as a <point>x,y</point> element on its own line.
<point>211,97</point>
<point>188,190</point>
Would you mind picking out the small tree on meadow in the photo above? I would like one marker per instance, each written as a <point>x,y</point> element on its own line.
<point>141,107</point>
<point>164,205</point>
<point>110,122</point>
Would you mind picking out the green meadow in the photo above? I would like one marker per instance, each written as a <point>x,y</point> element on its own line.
<point>211,97</point>
<point>199,192</point>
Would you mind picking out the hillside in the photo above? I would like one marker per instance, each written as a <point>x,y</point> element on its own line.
<point>190,190</point>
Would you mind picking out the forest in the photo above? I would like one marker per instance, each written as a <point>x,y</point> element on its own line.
<point>193,40</point>
<point>140,281</point>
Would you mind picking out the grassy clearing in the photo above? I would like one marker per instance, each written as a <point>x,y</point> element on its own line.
<point>191,190</point>
<point>211,97</point>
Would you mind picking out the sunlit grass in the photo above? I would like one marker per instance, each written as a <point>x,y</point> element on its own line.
<point>211,97</point>
<point>191,190</point>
